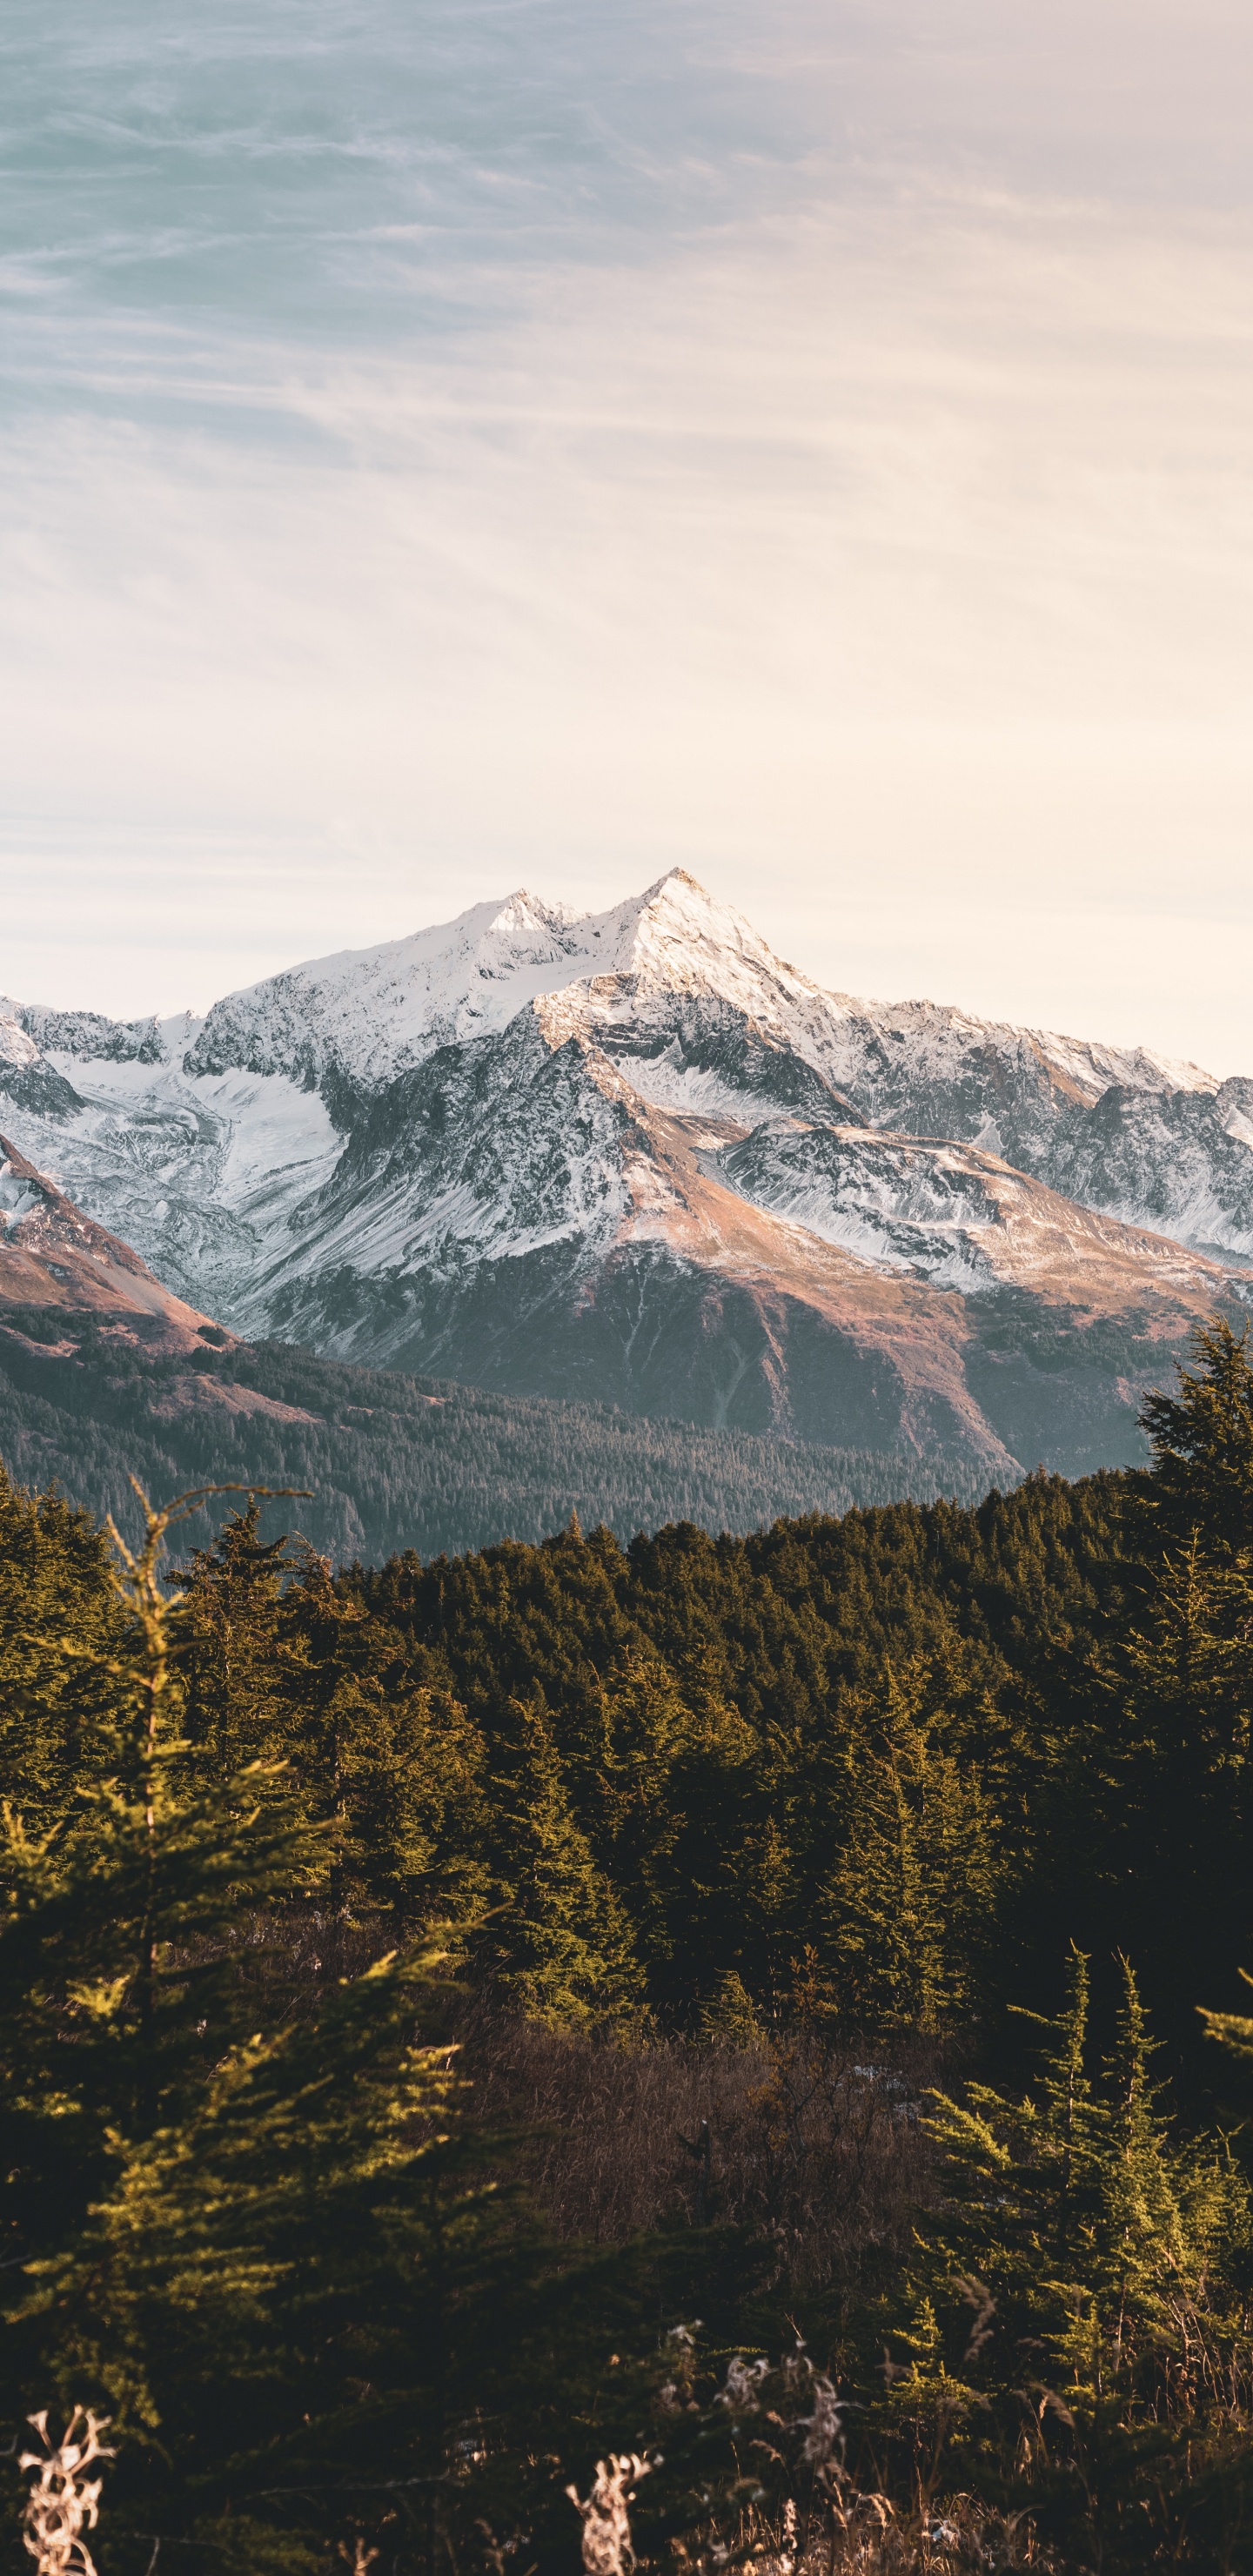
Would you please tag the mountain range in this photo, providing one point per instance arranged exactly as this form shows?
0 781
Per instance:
105 1377
635 1159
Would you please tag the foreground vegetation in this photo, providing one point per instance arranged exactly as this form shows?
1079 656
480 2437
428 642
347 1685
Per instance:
727 2007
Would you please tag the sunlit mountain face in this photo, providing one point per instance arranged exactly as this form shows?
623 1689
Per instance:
635 1157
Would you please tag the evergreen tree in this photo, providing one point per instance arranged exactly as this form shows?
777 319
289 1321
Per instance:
300 2300
1173 1795
910 1900
121 1974
228 1642
762 1886
59 1622
563 1940
1080 2268
391 1766
245 2215
1202 1441
661 1783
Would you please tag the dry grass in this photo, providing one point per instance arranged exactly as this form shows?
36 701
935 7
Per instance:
797 2137
865 2535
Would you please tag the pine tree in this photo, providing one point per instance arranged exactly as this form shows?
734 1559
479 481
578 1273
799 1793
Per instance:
689 1853
910 1900
245 2215
1143 2240
59 1623
392 1766
563 1940
228 1641
1202 1441
295 2300
1097 2241
1176 1749
762 1886
121 1973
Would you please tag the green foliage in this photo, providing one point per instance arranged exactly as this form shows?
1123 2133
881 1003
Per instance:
393 1461
1078 2289
837 1795
717 1710
566 1950
59 1619
912 1897
934 1743
243 2212
229 1641
117 1989
282 1663
1202 1443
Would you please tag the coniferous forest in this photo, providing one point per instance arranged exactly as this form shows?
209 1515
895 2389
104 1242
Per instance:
387 1461
762 2014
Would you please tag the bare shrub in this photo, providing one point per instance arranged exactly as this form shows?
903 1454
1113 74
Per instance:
799 2136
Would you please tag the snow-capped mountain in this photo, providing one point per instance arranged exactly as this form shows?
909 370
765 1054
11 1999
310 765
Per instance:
635 1155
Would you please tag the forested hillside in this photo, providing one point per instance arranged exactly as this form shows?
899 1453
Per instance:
390 1461
825 1917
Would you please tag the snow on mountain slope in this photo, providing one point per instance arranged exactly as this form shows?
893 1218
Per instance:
56 1261
487 1152
634 1154
1180 1160
677 988
200 1173
515 1212
951 1214
355 1021
363 1017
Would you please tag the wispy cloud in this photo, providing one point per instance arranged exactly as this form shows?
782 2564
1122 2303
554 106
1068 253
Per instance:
813 444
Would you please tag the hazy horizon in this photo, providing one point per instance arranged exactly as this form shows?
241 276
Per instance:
507 445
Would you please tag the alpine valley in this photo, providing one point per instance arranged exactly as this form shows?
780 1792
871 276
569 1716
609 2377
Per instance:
634 1160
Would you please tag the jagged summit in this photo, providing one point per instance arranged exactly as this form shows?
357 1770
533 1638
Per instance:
363 1016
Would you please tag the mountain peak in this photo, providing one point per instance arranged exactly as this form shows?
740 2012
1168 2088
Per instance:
365 1015
678 938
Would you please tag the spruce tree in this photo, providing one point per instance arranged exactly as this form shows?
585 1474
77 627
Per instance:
245 2214
1202 1440
228 1639
1176 1755
122 1973
909 1903
563 1942
302 2302
1076 2263
59 1624
392 1766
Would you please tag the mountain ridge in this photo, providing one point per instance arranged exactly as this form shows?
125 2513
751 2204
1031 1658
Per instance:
634 1154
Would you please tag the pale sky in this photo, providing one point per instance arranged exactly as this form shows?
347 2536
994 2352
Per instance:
456 444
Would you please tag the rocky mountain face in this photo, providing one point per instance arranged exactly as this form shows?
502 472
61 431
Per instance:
57 1265
635 1158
